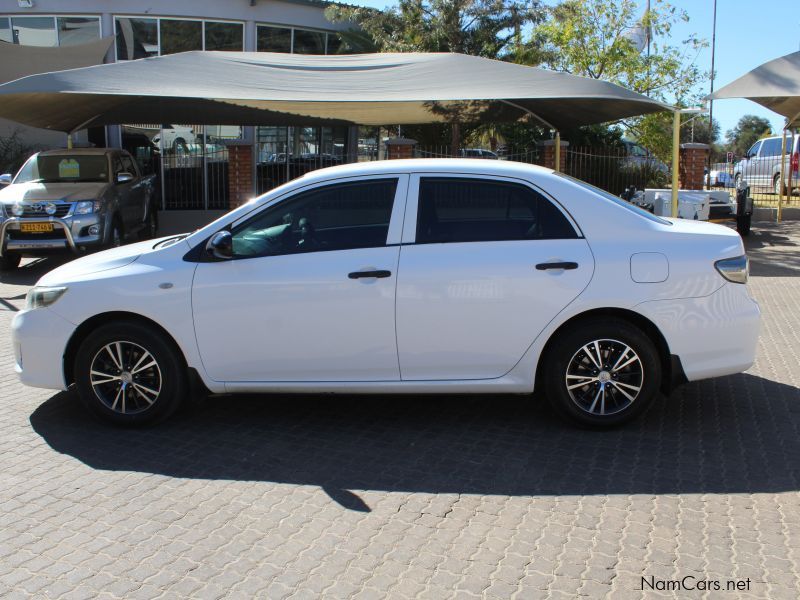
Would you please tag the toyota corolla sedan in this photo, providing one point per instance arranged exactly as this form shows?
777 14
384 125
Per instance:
418 276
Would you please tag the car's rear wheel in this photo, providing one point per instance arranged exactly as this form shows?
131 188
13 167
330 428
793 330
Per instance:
128 374
9 262
601 373
777 187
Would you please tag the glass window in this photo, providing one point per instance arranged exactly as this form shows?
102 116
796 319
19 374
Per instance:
309 42
57 168
181 36
5 31
127 164
34 31
338 45
136 38
77 30
274 39
754 149
616 200
224 36
771 147
335 217
476 210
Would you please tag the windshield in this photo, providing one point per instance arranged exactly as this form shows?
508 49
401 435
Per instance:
64 168
618 201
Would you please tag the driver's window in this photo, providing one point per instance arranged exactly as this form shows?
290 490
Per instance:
754 149
336 217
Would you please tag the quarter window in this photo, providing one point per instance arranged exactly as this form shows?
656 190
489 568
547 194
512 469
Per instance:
754 149
343 216
479 210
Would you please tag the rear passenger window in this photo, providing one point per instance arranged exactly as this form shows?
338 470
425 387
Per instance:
481 210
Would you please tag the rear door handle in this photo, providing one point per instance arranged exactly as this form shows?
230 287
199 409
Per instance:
567 266
375 274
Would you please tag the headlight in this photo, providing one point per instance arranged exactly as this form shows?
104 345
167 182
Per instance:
17 209
41 296
734 269
86 207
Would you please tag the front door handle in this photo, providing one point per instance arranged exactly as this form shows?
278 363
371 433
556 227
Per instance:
375 274
567 266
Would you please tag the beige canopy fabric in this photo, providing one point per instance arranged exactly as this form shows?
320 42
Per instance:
775 85
248 88
18 61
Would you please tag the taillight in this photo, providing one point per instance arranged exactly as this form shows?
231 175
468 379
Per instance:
794 164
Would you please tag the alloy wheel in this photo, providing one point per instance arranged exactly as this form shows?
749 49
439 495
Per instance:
125 377
604 377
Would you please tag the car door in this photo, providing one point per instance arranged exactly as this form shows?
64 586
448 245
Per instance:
486 264
750 170
309 294
138 191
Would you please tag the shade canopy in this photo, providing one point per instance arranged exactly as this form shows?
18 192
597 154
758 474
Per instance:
775 85
17 60
248 88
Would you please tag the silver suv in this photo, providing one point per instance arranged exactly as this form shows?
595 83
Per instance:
760 166
74 200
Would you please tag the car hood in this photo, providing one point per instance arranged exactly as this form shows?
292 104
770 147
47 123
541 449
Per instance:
50 192
97 262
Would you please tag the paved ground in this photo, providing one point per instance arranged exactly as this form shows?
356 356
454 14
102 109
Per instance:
423 497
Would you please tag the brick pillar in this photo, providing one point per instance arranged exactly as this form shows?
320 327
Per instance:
240 174
691 170
400 148
547 154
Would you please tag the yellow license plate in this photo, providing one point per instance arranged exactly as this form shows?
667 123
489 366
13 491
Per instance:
36 227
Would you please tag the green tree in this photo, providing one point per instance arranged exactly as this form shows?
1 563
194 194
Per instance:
490 28
746 132
603 39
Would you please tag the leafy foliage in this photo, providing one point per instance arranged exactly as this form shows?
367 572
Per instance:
487 28
13 152
747 131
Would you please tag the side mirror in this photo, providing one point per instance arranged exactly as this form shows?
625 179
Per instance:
220 246
124 177
5 178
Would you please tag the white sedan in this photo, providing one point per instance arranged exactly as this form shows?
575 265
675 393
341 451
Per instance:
417 276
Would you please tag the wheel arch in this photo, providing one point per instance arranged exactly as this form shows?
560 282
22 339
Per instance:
84 329
670 364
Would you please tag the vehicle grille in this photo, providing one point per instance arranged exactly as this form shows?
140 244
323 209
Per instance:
56 234
62 208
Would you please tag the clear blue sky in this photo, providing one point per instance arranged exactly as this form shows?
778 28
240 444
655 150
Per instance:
749 33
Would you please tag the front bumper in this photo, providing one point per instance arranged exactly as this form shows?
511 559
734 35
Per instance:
39 338
73 230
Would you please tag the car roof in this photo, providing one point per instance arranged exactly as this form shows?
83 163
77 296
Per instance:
466 166
79 151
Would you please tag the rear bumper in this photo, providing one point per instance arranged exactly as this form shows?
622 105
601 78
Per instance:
39 338
712 336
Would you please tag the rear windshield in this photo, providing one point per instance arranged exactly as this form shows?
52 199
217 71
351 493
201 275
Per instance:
64 168
616 200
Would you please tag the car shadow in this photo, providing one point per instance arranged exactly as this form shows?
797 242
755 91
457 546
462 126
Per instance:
31 270
738 434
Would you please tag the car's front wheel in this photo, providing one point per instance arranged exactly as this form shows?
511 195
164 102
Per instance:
128 374
9 262
601 373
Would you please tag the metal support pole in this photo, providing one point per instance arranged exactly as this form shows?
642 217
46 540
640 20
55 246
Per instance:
781 174
69 141
676 157
558 151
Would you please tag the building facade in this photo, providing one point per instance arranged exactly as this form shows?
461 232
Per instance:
193 161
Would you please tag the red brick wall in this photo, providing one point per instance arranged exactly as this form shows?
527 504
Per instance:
692 165
240 175
547 155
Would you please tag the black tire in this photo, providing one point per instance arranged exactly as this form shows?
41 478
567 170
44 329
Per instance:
9 262
777 186
737 180
132 404
743 224
116 237
591 405
150 228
